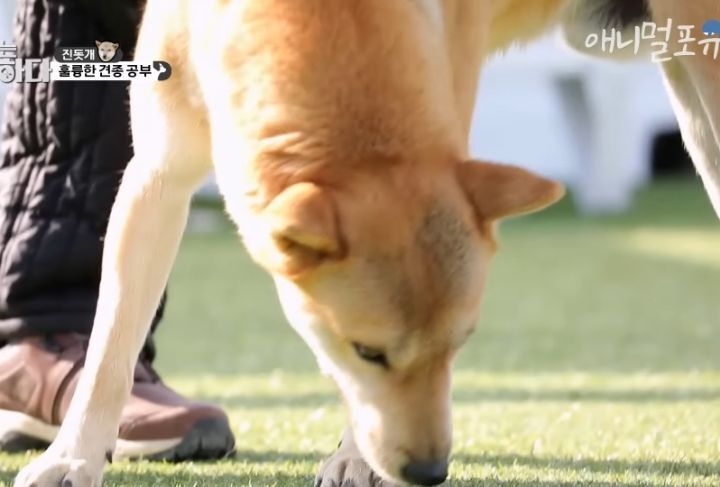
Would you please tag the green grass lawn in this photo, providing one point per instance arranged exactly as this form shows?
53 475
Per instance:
596 361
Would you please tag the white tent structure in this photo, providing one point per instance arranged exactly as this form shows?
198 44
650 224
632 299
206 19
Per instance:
587 122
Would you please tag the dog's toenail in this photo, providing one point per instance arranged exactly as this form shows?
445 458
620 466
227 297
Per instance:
108 456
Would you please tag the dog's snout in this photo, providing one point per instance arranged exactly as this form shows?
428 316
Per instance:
432 472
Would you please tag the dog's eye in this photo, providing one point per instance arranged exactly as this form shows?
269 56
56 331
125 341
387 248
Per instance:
372 355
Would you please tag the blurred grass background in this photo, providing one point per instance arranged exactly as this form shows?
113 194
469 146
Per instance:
596 361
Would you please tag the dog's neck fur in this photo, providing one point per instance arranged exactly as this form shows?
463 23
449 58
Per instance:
383 98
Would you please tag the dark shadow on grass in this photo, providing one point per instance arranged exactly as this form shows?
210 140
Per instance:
467 395
705 469
179 476
284 480
624 395
192 480
657 468
262 457
490 482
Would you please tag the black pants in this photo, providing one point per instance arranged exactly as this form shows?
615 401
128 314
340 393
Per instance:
64 148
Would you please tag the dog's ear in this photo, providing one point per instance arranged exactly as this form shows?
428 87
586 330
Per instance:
498 191
116 45
98 43
304 229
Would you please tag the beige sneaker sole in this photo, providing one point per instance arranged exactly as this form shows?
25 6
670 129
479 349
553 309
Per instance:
20 432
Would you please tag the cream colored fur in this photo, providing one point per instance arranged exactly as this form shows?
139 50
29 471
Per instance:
338 132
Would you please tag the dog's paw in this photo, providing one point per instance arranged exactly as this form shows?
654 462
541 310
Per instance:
52 469
348 472
347 468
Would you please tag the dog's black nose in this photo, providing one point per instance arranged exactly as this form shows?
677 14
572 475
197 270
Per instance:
426 472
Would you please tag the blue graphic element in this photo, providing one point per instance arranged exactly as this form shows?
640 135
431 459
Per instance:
712 28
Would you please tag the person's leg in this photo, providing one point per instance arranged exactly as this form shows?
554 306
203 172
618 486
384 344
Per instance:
64 149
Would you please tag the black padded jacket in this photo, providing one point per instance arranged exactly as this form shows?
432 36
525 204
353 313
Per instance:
64 147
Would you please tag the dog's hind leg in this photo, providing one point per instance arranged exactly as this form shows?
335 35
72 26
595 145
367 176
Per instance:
145 227
694 86
693 82
697 107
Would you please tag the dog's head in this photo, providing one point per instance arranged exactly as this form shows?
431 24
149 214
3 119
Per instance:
382 275
107 50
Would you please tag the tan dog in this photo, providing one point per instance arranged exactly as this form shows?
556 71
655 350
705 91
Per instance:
338 132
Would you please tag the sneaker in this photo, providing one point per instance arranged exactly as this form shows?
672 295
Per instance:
38 377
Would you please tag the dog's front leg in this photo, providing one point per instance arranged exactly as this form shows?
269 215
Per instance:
694 86
144 231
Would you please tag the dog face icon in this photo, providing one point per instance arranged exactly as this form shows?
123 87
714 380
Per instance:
7 74
107 50
711 27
